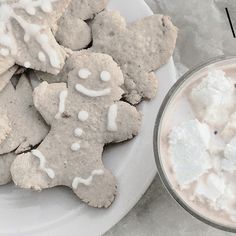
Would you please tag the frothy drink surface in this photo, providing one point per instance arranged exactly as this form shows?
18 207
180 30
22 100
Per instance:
198 143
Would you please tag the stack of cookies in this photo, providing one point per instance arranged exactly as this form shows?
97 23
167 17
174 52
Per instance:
91 69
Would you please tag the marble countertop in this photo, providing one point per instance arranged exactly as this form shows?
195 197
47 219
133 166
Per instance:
204 32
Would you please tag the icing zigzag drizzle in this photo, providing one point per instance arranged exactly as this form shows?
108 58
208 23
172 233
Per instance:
88 181
42 159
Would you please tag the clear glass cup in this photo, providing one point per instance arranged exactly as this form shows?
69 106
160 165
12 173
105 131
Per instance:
216 63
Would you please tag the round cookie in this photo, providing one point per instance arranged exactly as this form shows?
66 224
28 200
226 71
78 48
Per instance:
86 116
72 31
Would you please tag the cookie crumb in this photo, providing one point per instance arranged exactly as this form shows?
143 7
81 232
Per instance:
65 115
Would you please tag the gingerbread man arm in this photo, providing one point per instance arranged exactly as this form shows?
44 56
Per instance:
47 99
139 84
123 122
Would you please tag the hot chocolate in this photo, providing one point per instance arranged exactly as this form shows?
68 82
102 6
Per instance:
197 143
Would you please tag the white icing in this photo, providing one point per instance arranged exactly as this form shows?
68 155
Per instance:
92 93
30 6
4 52
84 73
42 159
105 76
78 132
34 31
188 144
52 54
62 97
112 115
75 147
83 115
27 64
88 181
213 98
41 56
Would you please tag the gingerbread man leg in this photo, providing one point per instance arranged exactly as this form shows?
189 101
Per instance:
100 192
31 170
93 183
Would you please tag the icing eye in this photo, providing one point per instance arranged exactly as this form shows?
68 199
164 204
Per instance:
84 73
105 76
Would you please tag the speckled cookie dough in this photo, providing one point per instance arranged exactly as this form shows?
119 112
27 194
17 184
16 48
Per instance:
5 165
72 30
6 77
25 126
138 48
86 9
5 126
83 117
73 33
25 35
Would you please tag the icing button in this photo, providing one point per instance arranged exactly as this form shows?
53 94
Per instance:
83 115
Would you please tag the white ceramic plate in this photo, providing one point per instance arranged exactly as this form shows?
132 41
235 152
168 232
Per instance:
58 211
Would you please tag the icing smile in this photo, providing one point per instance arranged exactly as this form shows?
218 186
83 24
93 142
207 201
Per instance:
92 93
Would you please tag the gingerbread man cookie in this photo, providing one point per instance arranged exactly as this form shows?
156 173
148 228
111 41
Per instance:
139 48
25 34
83 117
